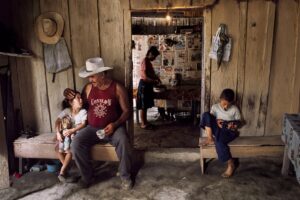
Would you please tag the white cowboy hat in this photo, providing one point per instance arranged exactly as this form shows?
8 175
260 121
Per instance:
49 27
93 66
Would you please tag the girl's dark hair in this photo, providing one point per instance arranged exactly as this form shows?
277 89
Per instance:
153 50
67 103
228 95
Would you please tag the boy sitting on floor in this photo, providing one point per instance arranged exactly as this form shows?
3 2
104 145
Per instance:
221 127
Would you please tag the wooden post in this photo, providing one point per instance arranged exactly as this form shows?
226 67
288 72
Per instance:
206 66
285 162
4 173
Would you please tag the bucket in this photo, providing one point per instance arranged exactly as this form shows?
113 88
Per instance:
53 166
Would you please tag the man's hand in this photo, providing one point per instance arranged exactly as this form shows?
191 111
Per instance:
220 122
68 132
69 94
109 129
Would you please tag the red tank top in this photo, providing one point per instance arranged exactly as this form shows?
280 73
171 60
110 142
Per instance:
104 106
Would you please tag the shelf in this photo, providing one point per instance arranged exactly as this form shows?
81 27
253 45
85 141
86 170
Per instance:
24 55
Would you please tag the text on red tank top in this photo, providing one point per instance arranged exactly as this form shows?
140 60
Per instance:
103 106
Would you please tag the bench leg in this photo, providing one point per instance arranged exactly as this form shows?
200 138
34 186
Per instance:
20 166
137 115
202 161
285 162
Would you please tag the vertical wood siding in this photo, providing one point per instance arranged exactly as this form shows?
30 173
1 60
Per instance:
263 69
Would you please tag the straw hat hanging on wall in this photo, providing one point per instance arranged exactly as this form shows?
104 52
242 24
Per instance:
49 27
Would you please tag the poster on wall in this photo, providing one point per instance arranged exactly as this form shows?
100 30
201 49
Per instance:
179 42
137 58
135 78
180 54
191 72
165 75
165 42
157 61
194 55
157 70
168 58
179 69
180 58
140 43
153 40
193 41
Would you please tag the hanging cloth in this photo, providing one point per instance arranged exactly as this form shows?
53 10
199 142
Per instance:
221 45
57 57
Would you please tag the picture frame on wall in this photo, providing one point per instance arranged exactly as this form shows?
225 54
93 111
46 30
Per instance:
194 55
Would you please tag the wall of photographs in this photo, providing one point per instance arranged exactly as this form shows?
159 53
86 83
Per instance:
180 53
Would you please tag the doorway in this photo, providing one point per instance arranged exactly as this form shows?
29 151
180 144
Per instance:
178 35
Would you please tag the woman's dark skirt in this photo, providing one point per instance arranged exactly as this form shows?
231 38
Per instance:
145 95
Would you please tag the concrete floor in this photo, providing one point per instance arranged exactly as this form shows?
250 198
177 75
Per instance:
162 173
167 133
166 179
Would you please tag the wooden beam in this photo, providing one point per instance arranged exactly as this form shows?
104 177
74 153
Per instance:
295 105
260 28
63 79
206 66
3 60
285 66
30 71
243 7
112 36
174 4
128 67
225 76
4 172
84 28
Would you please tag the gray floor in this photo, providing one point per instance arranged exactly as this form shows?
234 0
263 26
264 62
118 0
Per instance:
163 180
166 174
167 133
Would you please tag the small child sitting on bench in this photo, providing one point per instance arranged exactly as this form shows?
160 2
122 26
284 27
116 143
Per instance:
74 113
221 125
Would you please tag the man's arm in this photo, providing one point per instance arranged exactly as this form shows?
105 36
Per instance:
85 94
122 97
73 130
124 103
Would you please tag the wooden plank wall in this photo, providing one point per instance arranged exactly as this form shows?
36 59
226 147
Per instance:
36 96
263 69
284 92
260 24
4 173
4 162
257 65
29 79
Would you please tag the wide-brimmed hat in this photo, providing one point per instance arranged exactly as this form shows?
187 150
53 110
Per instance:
93 66
49 27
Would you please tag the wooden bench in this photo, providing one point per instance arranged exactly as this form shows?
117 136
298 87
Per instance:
245 147
43 146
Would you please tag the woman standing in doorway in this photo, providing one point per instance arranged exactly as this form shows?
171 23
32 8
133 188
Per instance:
145 94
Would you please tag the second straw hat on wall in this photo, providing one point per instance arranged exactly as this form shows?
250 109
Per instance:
49 27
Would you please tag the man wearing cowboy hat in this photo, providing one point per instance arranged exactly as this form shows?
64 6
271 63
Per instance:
108 109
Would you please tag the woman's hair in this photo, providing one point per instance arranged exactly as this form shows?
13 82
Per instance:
67 103
153 50
228 95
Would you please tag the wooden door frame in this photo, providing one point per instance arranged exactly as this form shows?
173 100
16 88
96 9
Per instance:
206 62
